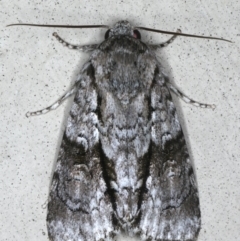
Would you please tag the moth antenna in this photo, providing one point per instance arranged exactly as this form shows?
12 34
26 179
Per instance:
57 26
182 34
105 26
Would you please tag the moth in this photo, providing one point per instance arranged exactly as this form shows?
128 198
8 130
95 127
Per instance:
123 165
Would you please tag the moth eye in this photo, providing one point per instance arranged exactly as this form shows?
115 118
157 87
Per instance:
136 34
107 34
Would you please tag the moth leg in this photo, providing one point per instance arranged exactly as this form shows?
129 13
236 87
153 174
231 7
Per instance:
85 48
55 104
189 100
165 44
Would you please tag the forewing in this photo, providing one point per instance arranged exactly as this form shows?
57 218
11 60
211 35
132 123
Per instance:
170 207
79 207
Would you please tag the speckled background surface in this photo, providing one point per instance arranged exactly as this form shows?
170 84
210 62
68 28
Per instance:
35 70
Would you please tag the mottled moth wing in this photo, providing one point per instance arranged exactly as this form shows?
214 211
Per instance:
79 207
123 163
170 207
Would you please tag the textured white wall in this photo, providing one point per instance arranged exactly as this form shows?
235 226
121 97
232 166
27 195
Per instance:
36 70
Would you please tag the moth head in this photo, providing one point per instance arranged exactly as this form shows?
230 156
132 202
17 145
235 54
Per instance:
123 28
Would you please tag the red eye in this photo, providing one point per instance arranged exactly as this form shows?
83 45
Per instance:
136 34
107 34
